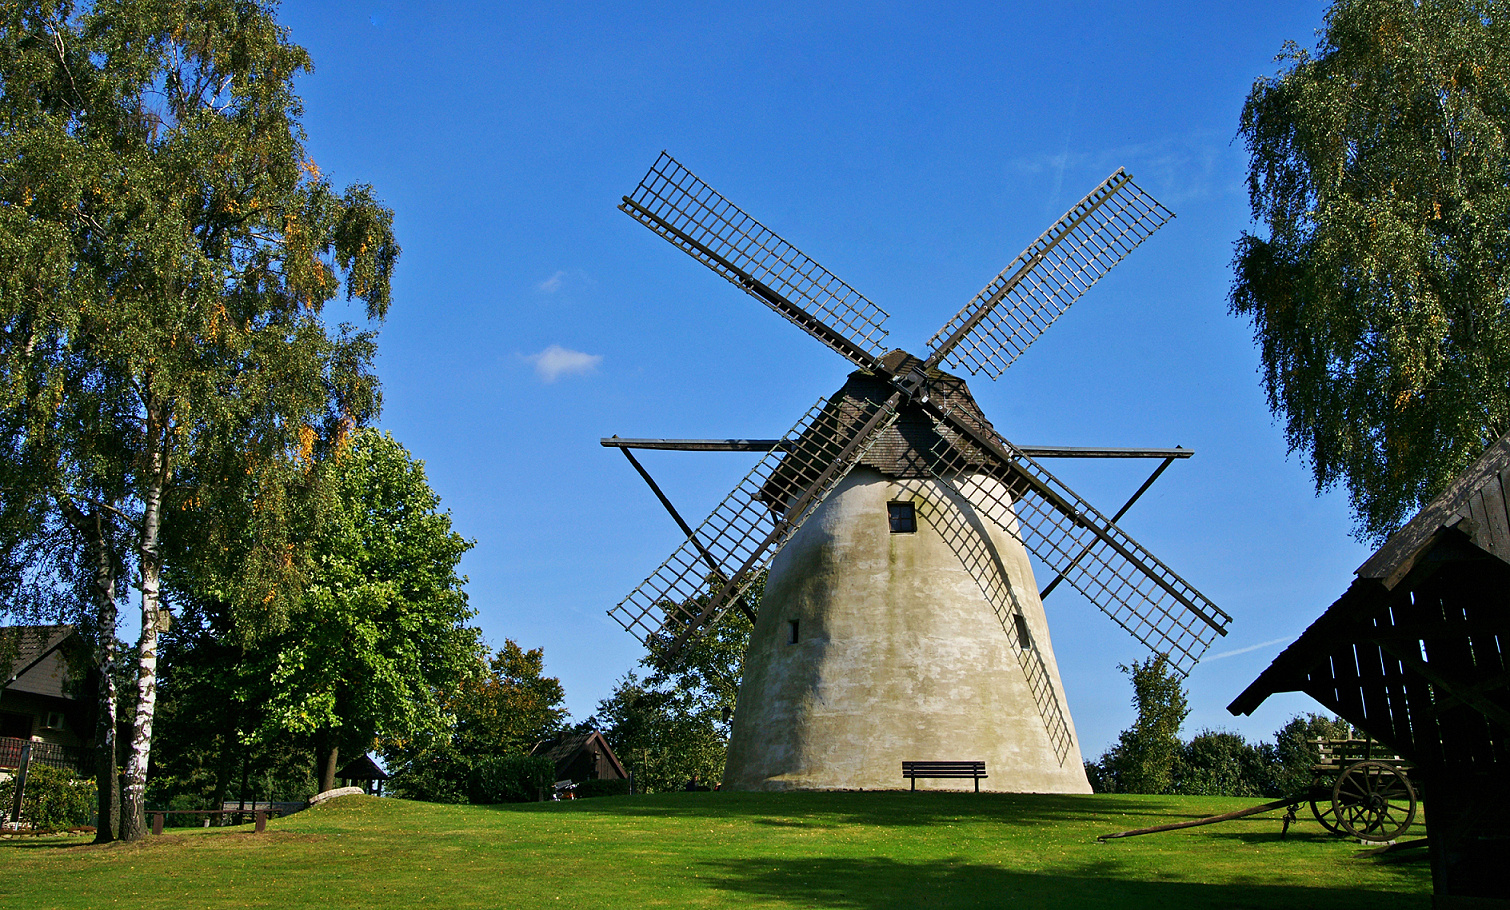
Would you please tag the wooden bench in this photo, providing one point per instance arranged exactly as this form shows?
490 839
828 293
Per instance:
260 816
953 769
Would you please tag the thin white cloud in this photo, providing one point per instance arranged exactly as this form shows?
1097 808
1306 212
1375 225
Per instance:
1176 169
555 361
552 284
1262 644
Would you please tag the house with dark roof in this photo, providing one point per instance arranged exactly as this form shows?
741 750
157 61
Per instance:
1415 654
581 756
46 685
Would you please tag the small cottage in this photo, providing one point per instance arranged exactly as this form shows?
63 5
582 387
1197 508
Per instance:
581 756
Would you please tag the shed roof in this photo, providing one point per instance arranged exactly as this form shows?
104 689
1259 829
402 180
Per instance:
1412 651
565 748
1475 502
362 768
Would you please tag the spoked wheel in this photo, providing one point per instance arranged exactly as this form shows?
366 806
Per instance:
1322 807
1373 801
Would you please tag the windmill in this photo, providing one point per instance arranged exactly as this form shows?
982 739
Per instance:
900 619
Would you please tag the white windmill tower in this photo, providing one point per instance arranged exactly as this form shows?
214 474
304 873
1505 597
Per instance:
900 619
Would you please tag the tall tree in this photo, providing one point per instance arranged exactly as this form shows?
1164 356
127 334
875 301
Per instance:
379 633
1381 172
676 721
1144 757
166 247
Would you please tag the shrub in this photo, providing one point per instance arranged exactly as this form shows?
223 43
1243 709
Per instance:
1219 763
602 788
511 778
53 800
1294 754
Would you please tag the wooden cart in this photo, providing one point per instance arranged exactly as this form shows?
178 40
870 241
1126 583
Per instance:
1359 789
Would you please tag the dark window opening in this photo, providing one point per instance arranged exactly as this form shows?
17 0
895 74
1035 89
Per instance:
792 628
1024 637
903 517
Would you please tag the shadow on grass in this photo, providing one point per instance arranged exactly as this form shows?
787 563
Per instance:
44 842
883 884
892 808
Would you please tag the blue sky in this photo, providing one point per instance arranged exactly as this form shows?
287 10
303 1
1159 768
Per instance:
913 150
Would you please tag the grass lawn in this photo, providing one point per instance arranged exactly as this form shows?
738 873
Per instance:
934 850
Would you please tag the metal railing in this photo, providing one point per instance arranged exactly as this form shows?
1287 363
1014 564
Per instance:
76 759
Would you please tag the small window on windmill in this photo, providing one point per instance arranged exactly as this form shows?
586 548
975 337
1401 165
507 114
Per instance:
903 517
1024 637
791 631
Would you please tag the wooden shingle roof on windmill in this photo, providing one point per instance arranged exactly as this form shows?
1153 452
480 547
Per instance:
903 451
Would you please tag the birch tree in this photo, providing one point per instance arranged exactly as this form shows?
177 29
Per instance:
1378 287
166 248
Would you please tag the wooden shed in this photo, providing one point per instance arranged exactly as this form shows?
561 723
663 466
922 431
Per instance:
1414 654
363 772
581 756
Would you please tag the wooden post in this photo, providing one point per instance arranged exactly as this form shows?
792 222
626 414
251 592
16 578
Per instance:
15 815
1209 820
157 822
261 822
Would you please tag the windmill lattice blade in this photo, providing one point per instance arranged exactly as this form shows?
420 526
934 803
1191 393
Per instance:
674 203
747 529
952 516
1009 314
1129 584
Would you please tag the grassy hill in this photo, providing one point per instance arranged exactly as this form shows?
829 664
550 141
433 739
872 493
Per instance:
847 850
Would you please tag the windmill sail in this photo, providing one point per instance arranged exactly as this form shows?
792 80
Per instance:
958 522
686 594
1099 559
1008 315
674 203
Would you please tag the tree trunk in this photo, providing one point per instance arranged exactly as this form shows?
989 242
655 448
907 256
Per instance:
107 780
94 531
328 773
154 621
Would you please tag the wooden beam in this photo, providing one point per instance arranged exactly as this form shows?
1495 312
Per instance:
766 445
1463 693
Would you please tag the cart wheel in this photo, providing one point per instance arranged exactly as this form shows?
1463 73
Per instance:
1373 801
1322 807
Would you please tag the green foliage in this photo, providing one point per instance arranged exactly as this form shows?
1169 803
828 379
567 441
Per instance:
674 724
166 249
1294 754
500 710
511 706
511 779
1221 763
1143 760
54 800
1379 168
1150 758
427 768
379 632
211 693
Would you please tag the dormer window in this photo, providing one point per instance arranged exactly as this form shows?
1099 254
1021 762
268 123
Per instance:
903 517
